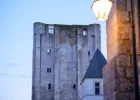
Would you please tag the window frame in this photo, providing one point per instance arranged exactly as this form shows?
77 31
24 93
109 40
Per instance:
51 29
97 87
49 70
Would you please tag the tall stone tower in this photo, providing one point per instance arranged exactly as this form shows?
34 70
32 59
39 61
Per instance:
61 55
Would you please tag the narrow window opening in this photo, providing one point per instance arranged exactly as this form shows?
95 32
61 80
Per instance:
94 42
84 32
89 53
40 27
97 88
49 86
99 38
74 86
99 41
49 70
51 29
49 51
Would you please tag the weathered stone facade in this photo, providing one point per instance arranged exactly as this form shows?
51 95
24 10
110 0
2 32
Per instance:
67 51
118 73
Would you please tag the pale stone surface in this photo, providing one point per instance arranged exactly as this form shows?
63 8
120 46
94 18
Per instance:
89 89
68 61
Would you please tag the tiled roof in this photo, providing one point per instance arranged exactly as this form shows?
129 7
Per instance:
96 65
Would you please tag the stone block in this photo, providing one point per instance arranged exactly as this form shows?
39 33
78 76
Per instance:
129 72
120 72
109 76
123 60
132 96
115 68
125 49
128 5
106 90
124 33
123 84
123 16
118 77
113 50
121 5
109 88
43 96
122 95
110 64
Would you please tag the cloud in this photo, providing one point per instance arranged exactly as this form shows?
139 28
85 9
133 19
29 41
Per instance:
15 75
12 65
16 70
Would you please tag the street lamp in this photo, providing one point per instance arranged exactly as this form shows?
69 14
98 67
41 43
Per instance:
102 8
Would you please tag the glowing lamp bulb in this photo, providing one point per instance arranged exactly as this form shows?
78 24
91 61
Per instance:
101 9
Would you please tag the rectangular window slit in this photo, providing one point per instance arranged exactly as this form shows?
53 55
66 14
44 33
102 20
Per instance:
49 70
49 86
51 29
89 53
49 51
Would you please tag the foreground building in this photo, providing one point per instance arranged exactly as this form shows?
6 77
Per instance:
61 56
119 71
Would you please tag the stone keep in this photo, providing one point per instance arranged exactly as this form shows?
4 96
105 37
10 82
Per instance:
66 50
118 72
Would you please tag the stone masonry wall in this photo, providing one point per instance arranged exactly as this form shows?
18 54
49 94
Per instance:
118 72
69 59
67 63
86 47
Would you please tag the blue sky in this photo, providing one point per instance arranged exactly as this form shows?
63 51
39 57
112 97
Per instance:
16 37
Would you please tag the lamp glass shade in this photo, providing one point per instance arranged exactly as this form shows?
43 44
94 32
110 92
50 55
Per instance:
101 9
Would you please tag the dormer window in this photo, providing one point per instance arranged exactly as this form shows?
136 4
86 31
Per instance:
84 32
51 29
